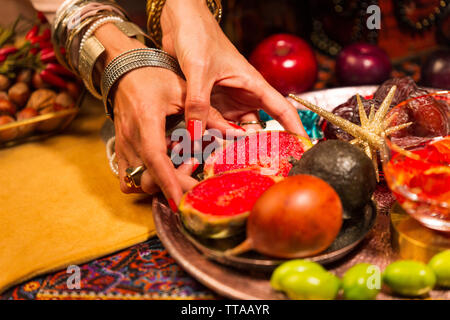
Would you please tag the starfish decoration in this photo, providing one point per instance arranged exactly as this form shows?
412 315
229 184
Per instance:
370 135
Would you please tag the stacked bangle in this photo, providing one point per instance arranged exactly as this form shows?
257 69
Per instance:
91 49
74 22
130 60
97 24
71 19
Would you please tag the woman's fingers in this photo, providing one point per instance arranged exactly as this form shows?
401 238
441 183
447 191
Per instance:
197 104
217 121
153 153
183 174
250 118
280 109
123 165
127 157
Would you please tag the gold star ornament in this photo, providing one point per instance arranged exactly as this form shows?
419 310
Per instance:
374 127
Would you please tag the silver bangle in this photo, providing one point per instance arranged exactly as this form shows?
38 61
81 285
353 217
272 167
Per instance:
130 60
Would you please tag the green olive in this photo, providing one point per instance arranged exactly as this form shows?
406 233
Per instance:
440 264
361 282
297 265
310 285
409 278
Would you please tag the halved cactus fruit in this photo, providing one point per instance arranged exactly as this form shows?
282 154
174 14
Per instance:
218 207
271 151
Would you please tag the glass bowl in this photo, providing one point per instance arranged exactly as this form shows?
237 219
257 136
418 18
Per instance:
418 173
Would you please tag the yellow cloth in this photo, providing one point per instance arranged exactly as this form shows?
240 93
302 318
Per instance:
61 205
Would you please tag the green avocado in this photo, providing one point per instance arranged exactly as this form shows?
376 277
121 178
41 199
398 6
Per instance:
343 166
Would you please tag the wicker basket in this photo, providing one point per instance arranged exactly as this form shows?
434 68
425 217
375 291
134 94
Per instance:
29 129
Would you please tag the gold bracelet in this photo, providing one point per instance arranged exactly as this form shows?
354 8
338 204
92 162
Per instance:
93 49
154 9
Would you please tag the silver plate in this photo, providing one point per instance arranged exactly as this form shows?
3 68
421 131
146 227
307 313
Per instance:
352 233
226 275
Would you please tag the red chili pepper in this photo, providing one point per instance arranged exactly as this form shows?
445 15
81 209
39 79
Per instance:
33 32
48 56
34 51
5 51
53 79
34 39
41 17
46 50
2 58
58 69
45 44
46 34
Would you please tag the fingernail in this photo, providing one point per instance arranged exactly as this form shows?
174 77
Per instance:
172 205
236 126
194 128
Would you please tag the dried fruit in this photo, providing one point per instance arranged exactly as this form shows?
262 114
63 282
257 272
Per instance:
297 217
218 207
4 82
64 100
49 124
37 81
406 88
24 76
26 113
7 134
429 115
41 99
19 93
270 150
7 107
345 167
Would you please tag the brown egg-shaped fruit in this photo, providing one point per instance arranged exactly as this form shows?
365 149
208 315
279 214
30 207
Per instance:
297 217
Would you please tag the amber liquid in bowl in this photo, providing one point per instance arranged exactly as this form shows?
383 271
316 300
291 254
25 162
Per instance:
420 181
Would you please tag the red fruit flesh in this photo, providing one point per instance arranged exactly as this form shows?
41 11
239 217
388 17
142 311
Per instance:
218 207
269 150
229 194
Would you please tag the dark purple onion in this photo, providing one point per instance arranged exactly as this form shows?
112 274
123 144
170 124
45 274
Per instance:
435 71
362 63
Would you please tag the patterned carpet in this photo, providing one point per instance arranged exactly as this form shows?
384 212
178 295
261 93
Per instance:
146 271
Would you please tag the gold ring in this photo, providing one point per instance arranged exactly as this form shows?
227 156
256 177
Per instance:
262 123
133 176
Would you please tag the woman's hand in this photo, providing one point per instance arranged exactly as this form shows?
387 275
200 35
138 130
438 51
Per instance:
142 100
216 73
